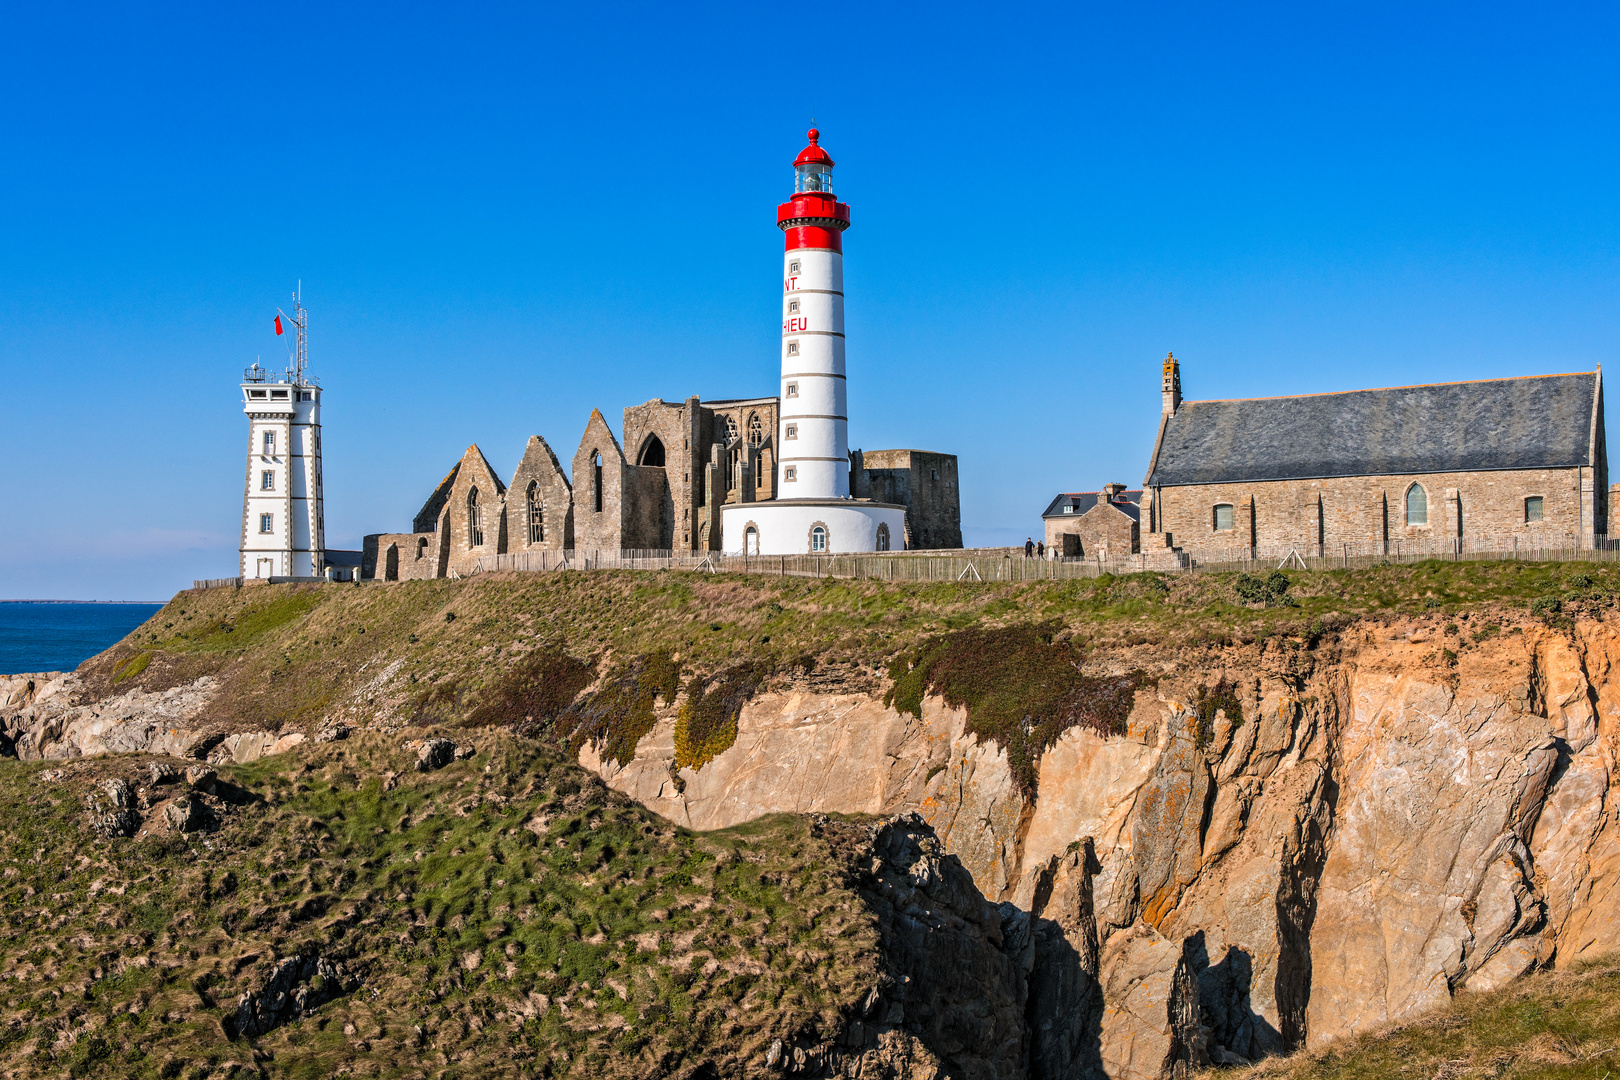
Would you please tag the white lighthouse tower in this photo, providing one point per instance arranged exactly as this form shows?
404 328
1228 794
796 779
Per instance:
283 518
813 512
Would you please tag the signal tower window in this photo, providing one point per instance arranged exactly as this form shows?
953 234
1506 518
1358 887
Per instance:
270 442
267 481
267 523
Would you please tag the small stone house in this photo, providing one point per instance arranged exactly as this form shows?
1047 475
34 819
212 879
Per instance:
1102 524
1493 465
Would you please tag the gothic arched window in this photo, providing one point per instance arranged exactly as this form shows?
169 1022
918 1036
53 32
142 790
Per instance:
475 528
756 430
653 452
1417 505
537 513
596 481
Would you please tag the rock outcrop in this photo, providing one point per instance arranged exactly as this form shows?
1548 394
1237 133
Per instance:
1367 830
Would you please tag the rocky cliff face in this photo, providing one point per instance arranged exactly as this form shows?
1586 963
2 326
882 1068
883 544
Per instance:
1351 837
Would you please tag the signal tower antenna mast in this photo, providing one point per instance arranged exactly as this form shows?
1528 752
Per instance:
300 320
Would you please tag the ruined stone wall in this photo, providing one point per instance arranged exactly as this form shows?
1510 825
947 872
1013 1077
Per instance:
680 430
648 508
1102 531
925 483
540 505
1484 509
465 542
599 496
399 556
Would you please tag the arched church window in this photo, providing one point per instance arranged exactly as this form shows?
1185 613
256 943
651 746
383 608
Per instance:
537 513
731 428
818 539
756 430
883 536
1417 505
475 527
596 481
652 452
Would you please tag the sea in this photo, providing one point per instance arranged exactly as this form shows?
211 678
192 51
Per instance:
41 635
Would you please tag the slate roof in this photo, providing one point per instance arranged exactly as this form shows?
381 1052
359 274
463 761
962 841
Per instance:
1535 422
1085 500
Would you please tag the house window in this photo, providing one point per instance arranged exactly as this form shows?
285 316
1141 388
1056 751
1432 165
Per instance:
475 527
793 307
751 541
267 481
883 537
1417 505
793 389
793 266
793 348
537 514
1532 508
267 523
1223 517
793 431
818 538
790 474
270 442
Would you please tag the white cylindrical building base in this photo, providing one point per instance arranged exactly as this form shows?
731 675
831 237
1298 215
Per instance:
787 527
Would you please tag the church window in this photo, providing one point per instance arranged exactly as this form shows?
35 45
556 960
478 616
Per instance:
756 430
793 431
267 523
793 389
751 541
818 538
652 453
731 428
596 482
1223 517
475 525
883 536
270 442
1532 508
790 474
793 307
793 348
1417 505
537 513
267 480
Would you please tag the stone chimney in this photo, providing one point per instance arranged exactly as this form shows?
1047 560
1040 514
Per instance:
1110 492
1172 384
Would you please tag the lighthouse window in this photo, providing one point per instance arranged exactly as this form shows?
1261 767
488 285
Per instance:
793 431
790 474
793 348
267 523
818 538
793 389
793 307
267 481
793 267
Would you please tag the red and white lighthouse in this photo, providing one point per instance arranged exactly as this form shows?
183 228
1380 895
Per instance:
814 461
813 512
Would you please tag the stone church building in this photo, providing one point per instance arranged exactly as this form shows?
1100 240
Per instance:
661 488
1497 464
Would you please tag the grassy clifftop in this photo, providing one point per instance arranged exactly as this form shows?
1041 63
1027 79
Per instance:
504 916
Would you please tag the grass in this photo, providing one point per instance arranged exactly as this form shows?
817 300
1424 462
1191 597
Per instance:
524 918
1557 1025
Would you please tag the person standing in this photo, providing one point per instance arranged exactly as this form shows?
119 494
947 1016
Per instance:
1029 547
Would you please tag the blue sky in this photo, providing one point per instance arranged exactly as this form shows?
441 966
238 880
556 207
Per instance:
506 217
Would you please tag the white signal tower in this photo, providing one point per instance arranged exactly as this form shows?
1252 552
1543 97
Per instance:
283 516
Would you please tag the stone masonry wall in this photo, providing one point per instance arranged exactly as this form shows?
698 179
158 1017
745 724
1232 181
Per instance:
1284 513
551 494
474 472
415 556
1102 531
925 483
599 529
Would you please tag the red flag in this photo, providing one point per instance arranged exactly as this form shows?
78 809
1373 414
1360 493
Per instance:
278 325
